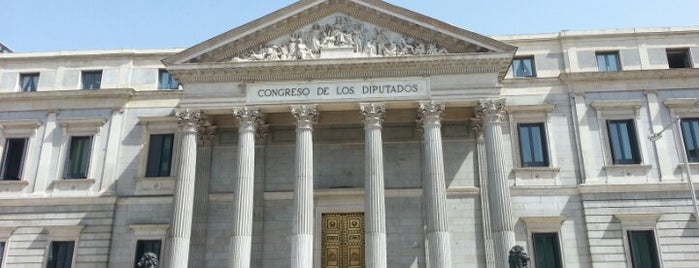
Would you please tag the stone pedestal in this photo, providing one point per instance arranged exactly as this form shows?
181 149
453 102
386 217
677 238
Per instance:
502 223
241 238
438 238
181 222
302 232
374 200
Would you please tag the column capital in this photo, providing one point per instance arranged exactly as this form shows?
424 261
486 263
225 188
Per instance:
372 114
477 126
190 120
430 113
491 110
306 115
206 135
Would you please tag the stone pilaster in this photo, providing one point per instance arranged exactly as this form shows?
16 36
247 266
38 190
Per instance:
241 237
201 197
477 126
302 233
438 238
491 112
183 201
374 200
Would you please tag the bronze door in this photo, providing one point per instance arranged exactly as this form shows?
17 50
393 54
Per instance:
343 240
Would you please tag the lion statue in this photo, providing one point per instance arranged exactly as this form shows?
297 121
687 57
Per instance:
518 258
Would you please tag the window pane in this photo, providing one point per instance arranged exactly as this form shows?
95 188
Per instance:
29 82
547 253
166 80
622 140
92 79
532 143
2 252
690 135
523 67
61 254
159 155
612 62
79 157
13 159
644 253
147 254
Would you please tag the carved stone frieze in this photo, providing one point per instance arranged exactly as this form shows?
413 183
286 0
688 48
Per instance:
342 33
306 115
430 113
491 110
372 113
191 120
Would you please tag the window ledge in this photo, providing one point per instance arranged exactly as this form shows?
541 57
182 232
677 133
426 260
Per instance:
12 185
637 171
66 184
155 185
639 167
531 176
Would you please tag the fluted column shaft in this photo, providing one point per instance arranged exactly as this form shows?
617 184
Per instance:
374 203
302 232
241 237
435 196
502 223
183 203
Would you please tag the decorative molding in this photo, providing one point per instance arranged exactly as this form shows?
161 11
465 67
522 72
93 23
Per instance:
112 98
155 186
589 188
640 220
530 108
596 77
541 176
251 119
71 232
306 115
56 201
149 230
6 232
430 113
678 103
206 135
373 114
13 185
616 104
535 223
72 185
19 128
190 120
82 125
491 110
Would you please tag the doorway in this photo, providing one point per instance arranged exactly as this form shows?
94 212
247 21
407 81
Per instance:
342 242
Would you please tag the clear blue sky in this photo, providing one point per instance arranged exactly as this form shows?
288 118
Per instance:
50 25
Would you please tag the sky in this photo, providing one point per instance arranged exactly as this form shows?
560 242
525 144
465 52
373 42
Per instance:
53 25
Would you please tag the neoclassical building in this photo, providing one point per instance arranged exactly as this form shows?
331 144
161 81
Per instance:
354 133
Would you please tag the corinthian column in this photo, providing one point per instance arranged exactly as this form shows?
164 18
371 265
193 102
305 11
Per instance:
438 241
302 233
374 204
188 123
491 112
241 237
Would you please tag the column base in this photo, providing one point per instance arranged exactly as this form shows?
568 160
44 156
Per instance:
241 247
375 250
503 242
440 249
302 251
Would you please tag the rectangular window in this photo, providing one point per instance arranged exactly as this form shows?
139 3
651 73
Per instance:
159 155
166 80
690 135
532 145
622 140
547 252
644 252
91 79
523 67
13 158
147 253
60 254
78 157
2 253
608 61
678 58
29 82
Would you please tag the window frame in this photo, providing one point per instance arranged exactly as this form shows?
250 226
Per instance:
525 114
169 84
5 234
3 164
26 129
156 185
605 55
544 145
639 222
620 110
522 59
85 73
32 74
63 233
544 224
80 127
682 108
677 50
633 142
695 134
160 251
152 231
149 154
88 151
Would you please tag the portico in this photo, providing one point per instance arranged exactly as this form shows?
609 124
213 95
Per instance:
355 108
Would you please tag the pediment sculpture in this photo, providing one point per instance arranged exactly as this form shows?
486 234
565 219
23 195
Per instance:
341 33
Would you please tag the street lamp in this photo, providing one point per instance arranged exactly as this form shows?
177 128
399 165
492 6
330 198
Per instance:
656 136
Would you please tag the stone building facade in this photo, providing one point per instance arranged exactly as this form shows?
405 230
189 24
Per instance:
354 133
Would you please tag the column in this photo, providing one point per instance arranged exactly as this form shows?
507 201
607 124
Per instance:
502 225
438 241
201 197
302 233
374 203
477 126
181 223
241 238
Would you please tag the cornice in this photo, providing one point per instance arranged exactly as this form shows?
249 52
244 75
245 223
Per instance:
343 68
112 98
629 75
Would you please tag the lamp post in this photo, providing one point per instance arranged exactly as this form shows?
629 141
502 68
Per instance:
656 136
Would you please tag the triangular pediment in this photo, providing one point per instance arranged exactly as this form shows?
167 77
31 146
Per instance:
324 29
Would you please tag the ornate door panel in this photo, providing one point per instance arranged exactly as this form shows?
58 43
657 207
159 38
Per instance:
343 240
